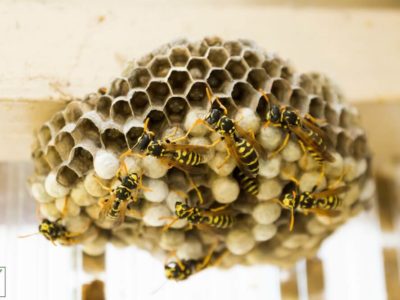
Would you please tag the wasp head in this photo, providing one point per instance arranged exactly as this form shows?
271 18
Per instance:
214 116
289 200
181 209
274 114
49 230
176 271
155 149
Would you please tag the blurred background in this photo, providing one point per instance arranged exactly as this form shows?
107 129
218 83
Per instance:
55 50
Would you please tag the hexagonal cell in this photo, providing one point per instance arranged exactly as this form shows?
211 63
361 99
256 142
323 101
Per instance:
66 176
176 109
252 58
198 68
57 122
73 111
64 142
52 157
343 144
44 135
177 179
205 192
41 166
317 108
219 80
213 41
158 92
237 68
258 78
360 147
86 129
132 135
217 56
179 56
244 95
299 100
113 140
331 115
305 82
121 110
273 67
345 119
160 67
234 48
140 78
145 60
119 87
179 81
287 73
82 160
139 101
103 106
157 120
281 89
332 135
197 95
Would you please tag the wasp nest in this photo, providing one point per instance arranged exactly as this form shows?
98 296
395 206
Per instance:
168 86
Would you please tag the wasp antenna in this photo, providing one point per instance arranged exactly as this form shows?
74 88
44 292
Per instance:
209 94
291 219
27 235
159 288
266 98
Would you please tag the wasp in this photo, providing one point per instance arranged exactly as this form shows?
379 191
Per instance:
56 232
240 144
246 183
325 202
210 217
182 269
181 156
312 138
114 207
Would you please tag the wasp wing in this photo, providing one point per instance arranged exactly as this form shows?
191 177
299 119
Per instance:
251 139
195 148
330 192
323 212
230 143
310 124
311 142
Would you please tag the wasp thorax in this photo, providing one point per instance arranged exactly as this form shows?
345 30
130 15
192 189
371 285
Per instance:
291 117
155 149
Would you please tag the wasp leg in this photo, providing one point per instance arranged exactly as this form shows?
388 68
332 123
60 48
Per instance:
199 195
173 221
166 138
291 219
102 185
210 96
196 123
220 208
65 207
228 155
282 146
207 259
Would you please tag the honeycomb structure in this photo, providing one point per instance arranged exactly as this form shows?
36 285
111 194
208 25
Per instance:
168 86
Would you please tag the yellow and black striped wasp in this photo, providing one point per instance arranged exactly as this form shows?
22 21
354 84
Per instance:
246 183
212 217
55 232
185 157
114 207
311 137
325 202
240 144
182 269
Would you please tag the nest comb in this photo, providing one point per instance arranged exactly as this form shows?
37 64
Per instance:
168 86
